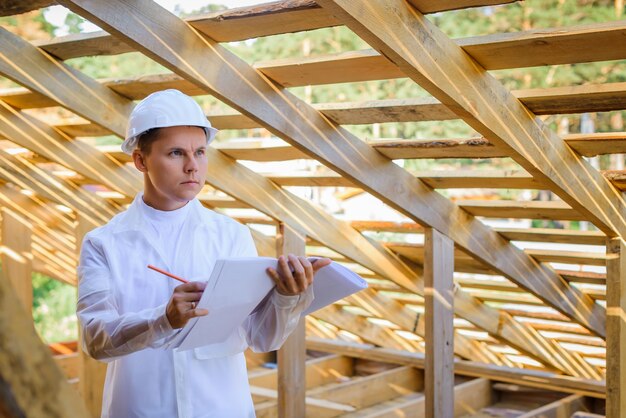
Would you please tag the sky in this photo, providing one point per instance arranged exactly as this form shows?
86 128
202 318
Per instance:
56 14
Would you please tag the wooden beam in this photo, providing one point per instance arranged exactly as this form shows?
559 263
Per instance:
17 257
557 210
292 355
16 7
364 391
31 177
439 302
315 134
616 328
31 384
28 63
449 74
319 371
469 396
30 133
363 328
228 26
562 408
524 377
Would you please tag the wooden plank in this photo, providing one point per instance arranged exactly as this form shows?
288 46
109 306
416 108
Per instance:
17 265
548 46
532 145
360 326
229 25
554 210
432 6
440 179
319 371
562 408
524 377
292 355
322 407
30 133
346 153
616 328
16 7
381 306
365 391
31 384
92 372
29 176
28 63
562 236
597 144
470 397
439 303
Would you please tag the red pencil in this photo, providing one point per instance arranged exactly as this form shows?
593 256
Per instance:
180 279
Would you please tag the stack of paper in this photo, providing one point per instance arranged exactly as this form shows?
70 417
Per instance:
238 285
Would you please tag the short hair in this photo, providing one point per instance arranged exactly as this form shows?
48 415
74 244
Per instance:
146 139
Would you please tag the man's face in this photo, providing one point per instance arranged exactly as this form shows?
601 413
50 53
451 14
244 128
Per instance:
175 168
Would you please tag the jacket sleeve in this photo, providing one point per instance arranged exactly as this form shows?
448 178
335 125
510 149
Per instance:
270 324
105 333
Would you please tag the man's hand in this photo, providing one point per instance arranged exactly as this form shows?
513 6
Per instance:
295 274
182 305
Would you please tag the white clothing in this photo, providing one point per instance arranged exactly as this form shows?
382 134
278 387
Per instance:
121 309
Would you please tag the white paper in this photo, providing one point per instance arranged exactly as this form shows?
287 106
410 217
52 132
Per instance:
238 285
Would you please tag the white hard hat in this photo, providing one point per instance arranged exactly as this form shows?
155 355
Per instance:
162 109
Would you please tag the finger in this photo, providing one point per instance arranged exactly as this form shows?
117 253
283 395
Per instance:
276 279
283 267
286 277
193 313
191 287
189 296
299 273
308 269
320 262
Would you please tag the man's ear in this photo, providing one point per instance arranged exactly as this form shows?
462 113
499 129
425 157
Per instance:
139 161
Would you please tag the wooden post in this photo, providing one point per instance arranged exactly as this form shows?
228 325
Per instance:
31 384
615 327
91 372
292 355
439 303
17 257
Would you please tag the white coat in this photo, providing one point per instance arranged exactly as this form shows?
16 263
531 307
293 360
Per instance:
121 310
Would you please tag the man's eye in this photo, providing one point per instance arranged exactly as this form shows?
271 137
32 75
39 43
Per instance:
200 152
176 153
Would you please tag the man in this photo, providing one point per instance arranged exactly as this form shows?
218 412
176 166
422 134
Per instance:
129 313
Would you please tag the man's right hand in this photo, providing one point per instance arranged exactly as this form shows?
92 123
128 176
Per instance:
182 305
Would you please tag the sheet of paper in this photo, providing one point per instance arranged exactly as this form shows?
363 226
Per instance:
234 289
332 283
238 285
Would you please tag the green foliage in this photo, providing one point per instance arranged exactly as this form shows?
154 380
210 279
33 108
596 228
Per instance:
74 22
54 309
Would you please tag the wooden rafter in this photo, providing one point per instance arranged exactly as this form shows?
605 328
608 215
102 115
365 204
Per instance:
444 70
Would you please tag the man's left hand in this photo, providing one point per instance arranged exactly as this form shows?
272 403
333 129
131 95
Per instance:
295 273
